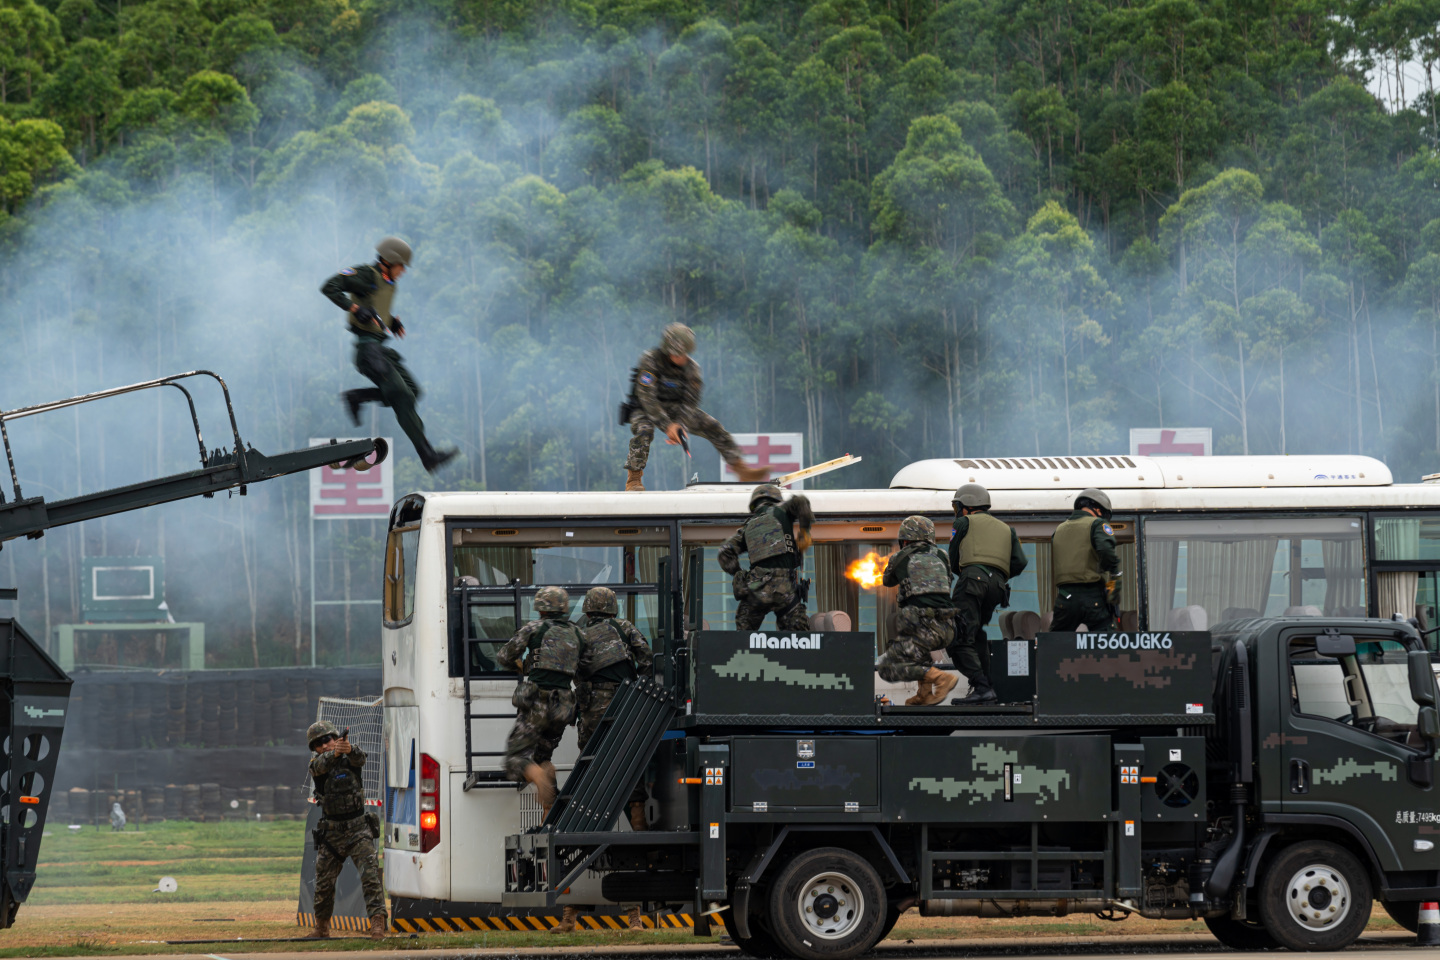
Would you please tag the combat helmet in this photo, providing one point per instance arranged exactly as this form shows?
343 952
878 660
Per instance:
393 250
319 731
766 491
552 600
678 339
972 495
1096 498
600 600
917 528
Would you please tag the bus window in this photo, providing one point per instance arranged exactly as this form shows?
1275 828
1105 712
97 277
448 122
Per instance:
1407 550
399 592
1200 573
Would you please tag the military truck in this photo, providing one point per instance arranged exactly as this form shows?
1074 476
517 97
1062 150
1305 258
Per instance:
1271 777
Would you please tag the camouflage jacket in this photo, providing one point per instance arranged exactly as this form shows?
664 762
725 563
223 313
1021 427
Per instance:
553 642
784 556
609 640
361 284
911 594
339 786
660 385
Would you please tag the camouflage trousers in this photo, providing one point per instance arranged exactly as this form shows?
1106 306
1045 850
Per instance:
918 630
593 700
696 422
343 840
759 591
540 722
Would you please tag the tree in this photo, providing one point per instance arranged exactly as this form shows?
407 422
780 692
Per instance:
83 91
32 152
30 42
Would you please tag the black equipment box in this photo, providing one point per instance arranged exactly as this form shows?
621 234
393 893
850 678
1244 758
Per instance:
1123 673
1012 670
765 673
790 773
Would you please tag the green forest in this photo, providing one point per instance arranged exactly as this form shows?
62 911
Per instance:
907 228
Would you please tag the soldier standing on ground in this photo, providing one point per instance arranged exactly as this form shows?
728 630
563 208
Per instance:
665 395
985 554
552 647
366 292
1083 548
776 554
345 831
615 651
925 619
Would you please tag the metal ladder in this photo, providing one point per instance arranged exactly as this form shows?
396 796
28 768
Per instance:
481 778
614 759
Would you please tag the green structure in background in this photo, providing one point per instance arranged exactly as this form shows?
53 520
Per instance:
127 621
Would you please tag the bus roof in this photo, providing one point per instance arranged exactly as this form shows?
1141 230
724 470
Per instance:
1153 473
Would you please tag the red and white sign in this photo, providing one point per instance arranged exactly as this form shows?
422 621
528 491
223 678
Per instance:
351 494
781 452
1170 442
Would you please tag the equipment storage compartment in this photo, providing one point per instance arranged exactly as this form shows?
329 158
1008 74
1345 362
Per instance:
807 773
1131 674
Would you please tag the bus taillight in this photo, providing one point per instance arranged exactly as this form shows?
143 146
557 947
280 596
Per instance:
429 803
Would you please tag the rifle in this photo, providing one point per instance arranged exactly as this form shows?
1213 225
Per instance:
685 441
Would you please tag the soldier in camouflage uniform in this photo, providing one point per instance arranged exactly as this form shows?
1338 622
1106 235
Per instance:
926 614
345 831
552 647
1082 550
665 392
365 292
776 552
615 651
985 554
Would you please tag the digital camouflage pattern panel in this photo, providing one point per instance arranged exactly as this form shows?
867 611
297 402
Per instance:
784 674
1079 674
1349 768
787 773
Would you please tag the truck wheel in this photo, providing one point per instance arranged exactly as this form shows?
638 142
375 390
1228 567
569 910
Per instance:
892 917
1404 912
1244 935
1316 896
759 944
827 904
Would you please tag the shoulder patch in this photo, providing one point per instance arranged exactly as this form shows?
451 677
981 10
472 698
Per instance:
348 272
1106 528
647 379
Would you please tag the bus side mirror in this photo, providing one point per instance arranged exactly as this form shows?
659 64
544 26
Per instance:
1422 677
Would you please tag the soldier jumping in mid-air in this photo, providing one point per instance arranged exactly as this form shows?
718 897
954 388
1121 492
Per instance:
776 552
366 292
552 646
665 395
925 618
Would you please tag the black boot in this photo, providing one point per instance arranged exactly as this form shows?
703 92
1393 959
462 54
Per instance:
976 697
438 459
353 401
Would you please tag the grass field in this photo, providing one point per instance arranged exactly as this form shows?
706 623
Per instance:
240 880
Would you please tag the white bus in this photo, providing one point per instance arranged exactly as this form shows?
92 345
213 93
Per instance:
1202 541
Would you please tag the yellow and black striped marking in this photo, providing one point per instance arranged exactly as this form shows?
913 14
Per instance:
360 924
604 921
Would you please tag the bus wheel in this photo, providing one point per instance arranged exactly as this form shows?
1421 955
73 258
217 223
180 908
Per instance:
1244 935
1315 896
827 904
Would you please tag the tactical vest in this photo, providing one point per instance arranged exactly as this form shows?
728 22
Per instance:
766 535
341 792
670 381
986 541
604 645
1074 557
927 572
555 646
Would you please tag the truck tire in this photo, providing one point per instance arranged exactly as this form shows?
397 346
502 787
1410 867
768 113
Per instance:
827 904
1315 896
1404 912
759 944
1246 935
892 917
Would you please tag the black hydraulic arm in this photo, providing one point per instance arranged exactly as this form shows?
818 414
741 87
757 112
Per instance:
220 469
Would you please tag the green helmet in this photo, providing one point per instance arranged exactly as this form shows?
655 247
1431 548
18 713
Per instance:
319 731
552 600
393 250
678 339
972 495
1095 497
917 528
766 491
600 600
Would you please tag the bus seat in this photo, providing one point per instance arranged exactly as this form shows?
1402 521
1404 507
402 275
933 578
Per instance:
1025 624
1192 617
1045 621
1006 619
1302 612
1238 613
837 620
1129 620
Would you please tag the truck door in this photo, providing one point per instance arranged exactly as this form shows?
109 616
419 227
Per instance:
1348 739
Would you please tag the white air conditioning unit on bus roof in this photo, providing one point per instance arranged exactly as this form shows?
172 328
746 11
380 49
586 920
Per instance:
1132 473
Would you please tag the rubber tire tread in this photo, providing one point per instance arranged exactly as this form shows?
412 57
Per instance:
760 944
785 889
1404 912
1241 935
892 917
1275 914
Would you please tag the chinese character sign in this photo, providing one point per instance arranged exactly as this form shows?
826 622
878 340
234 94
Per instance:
781 452
351 494
1170 442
